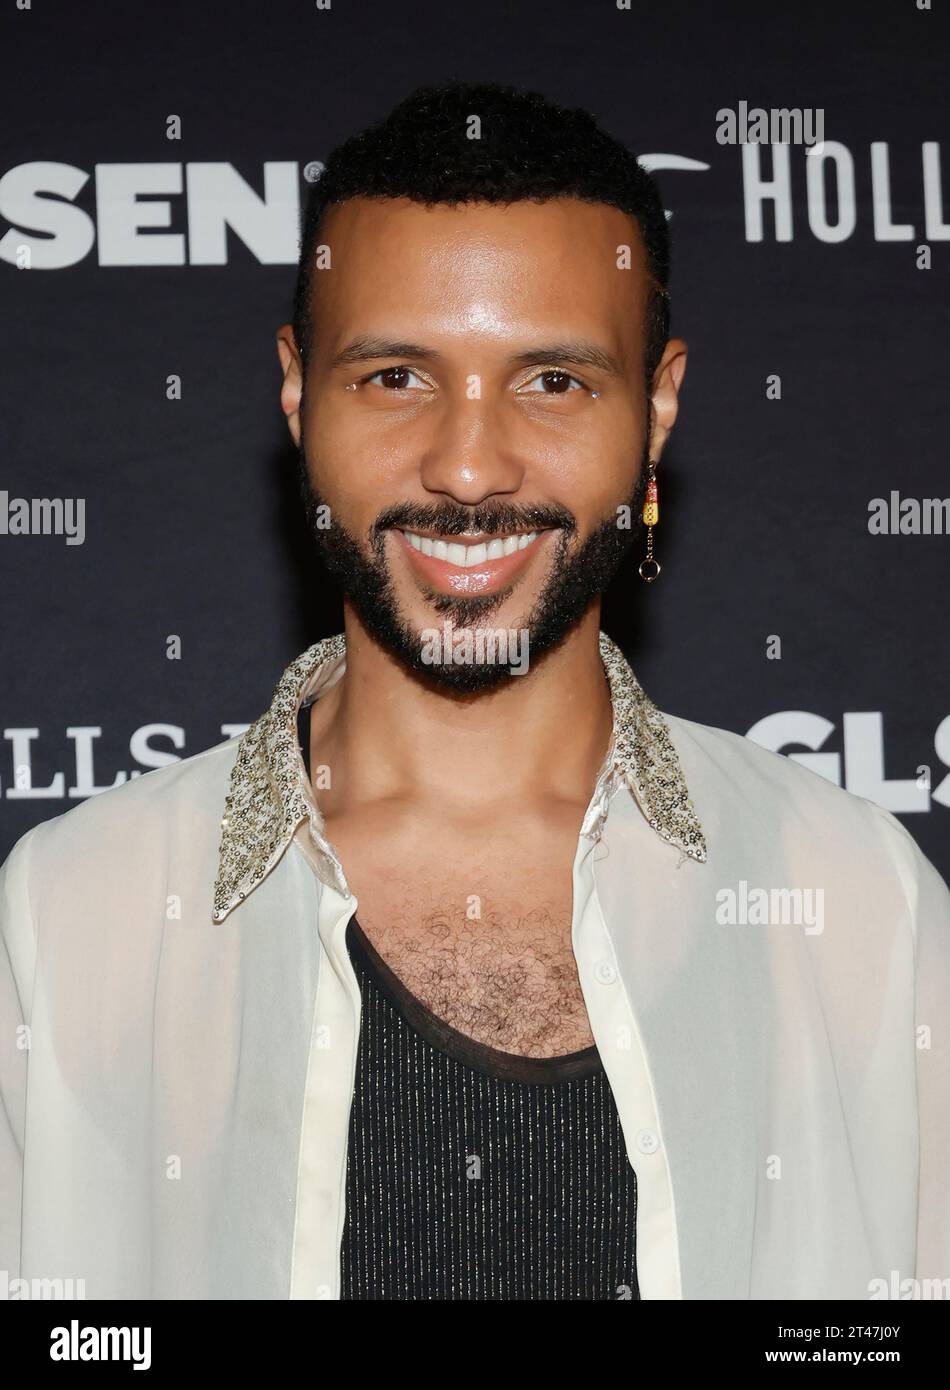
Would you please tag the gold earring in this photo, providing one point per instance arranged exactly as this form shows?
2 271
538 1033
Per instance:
649 566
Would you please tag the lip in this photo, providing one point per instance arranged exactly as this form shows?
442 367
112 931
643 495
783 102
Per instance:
485 578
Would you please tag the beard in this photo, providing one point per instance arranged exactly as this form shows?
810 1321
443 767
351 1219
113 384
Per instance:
574 581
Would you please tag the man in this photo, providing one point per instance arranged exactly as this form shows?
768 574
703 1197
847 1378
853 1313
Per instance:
466 973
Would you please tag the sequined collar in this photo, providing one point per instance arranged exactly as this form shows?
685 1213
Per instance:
267 802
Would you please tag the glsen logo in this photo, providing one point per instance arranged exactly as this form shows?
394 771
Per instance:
862 759
134 202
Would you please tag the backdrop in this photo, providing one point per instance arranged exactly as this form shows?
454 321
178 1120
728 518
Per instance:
152 161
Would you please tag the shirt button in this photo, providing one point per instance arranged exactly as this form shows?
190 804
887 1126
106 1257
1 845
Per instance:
647 1141
605 972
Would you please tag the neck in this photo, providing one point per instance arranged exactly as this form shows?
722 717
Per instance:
384 733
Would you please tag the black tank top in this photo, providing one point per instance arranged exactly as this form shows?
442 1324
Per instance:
472 1173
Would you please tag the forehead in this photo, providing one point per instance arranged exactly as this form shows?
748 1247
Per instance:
521 268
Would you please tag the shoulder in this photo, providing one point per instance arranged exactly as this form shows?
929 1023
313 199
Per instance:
142 822
734 782
718 763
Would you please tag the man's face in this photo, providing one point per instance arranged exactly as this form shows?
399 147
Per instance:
474 415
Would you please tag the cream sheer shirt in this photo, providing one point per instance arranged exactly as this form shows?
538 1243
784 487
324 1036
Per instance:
765 960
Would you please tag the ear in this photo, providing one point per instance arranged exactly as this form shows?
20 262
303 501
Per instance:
292 386
664 398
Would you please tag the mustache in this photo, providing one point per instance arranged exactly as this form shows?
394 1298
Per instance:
451 518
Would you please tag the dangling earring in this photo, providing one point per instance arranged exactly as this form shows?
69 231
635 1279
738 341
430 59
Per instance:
649 567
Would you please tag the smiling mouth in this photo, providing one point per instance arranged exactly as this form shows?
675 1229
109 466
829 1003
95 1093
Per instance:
469 550
473 563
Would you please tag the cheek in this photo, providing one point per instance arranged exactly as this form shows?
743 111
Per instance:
357 451
356 482
341 470
621 446
598 472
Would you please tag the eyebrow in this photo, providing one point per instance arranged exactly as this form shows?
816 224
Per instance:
369 349
579 352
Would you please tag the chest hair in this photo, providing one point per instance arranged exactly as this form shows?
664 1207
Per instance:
506 977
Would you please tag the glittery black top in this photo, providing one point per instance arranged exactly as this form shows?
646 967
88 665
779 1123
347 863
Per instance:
474 1173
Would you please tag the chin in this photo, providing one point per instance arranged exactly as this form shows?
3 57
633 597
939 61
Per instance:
460 651
468 678
455 652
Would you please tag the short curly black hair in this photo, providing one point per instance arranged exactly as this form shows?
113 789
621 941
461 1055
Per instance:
528 148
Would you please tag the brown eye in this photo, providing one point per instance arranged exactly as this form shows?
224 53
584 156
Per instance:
556 382
396 379
551 382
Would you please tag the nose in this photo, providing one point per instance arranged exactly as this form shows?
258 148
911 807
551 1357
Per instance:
470 454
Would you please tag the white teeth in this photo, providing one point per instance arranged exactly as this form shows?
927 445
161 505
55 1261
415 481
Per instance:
465 556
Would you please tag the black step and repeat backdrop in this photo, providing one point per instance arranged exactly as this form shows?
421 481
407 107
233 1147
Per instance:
152 162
